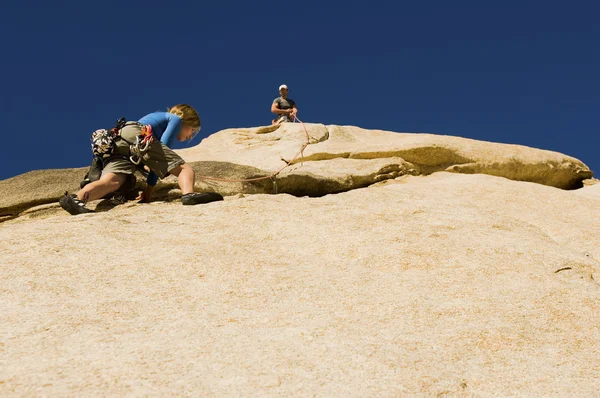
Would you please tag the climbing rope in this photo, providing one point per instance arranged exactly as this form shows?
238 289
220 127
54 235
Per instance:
273 176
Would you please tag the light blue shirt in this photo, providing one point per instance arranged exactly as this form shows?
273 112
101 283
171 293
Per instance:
165 127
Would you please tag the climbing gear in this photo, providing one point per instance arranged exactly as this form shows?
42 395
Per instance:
103 143
198 198
73 205
103 140
272 177
139 149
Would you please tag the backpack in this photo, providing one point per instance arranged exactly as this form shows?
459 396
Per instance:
103 144
103 141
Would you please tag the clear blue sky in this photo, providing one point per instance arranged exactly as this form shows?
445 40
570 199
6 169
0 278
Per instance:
523 72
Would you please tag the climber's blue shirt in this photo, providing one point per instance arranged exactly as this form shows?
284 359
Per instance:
165 127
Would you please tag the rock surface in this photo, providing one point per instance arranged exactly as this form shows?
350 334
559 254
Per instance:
440 278
340 158
420 285
336 159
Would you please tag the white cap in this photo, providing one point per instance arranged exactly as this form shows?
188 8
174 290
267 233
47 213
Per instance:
282 87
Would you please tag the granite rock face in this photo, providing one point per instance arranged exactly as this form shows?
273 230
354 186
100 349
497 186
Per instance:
440 284
335 159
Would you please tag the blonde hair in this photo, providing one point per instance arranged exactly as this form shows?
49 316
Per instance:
187 114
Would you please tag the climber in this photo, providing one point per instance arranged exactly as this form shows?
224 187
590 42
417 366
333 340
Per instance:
284 107
146 142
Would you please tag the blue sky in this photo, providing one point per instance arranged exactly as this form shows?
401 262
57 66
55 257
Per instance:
523 72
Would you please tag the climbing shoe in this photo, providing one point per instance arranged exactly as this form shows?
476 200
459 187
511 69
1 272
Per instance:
197 198
73 205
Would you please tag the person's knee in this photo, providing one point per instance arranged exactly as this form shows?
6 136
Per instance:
182 170
187 169
113 181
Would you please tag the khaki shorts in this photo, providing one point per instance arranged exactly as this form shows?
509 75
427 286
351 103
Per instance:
162 159
284 119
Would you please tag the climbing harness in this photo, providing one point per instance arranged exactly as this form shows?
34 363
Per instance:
104 142
139 149
104 147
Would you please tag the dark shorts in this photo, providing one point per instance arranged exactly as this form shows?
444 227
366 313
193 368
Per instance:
162 158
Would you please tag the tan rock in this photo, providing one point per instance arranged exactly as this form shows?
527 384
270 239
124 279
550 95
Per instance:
335 159
447 284
267 149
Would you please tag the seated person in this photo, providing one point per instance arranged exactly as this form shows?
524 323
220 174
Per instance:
284 107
